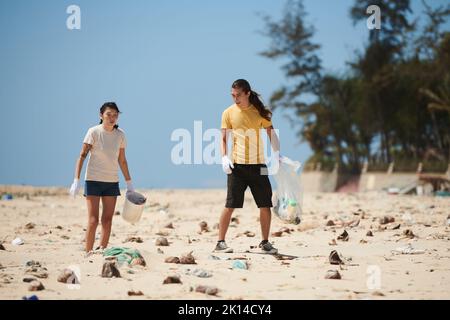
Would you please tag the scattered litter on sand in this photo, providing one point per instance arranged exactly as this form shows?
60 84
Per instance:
110 269
201 273
161 241
344 236
240 264
36 286
207 290
408 249
17 242
68 276
187 259
334 258
333 274
172 260
172 279
133 239
386 219
135 293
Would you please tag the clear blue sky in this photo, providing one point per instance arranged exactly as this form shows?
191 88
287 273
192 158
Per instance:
165 63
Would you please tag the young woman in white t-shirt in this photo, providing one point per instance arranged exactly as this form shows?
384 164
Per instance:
106 144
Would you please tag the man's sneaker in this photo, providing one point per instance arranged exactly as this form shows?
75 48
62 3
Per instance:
266 247
221 246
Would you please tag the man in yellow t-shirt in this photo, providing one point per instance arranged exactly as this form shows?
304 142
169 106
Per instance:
244 120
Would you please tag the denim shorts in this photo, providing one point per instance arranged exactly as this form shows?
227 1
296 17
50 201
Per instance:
100 189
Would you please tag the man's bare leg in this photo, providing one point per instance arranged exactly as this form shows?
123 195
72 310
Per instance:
265 219
224 222
265 216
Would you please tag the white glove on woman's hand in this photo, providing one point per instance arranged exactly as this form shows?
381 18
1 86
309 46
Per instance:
227 164
73 191
130 187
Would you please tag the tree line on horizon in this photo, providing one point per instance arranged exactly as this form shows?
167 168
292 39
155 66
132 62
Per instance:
390 104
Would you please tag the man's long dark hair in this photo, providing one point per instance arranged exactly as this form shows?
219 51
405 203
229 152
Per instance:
254 98
110 105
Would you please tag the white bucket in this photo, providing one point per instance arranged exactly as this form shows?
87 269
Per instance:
132 212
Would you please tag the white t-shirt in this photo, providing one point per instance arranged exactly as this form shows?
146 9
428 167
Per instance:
103 163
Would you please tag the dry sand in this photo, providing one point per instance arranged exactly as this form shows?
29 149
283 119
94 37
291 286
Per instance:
371 270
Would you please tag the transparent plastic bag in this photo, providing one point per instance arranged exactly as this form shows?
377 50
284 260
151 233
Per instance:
288 198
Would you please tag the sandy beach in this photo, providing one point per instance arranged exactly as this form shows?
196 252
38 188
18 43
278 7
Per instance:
52 225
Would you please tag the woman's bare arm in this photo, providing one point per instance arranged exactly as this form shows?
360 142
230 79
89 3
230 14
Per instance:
123 164
83 154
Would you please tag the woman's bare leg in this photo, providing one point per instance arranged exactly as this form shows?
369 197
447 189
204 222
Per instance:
93 203
109 205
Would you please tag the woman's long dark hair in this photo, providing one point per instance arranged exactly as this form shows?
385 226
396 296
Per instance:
110 105
253 99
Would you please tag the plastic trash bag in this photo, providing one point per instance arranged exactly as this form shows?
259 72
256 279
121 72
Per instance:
124 255
288 198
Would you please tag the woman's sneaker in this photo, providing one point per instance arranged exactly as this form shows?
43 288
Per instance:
221 246
266 247
98 250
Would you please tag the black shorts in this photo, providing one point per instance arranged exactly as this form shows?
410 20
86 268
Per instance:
100 189
252 175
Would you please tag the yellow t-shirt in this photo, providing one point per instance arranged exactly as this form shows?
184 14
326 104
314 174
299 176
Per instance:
246 125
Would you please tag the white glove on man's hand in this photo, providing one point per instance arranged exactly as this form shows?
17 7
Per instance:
73 191
227 164
130 187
